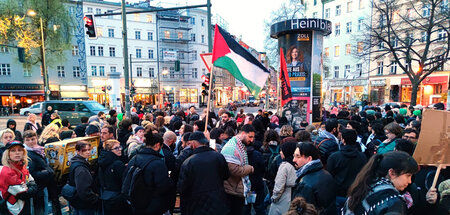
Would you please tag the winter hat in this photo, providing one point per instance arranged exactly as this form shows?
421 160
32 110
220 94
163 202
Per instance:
417 113
444 188
288 150
403 111
138 128
92 129
370 112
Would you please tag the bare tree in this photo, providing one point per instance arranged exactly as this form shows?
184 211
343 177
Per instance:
413 34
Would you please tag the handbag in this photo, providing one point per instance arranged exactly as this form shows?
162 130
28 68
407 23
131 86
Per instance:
69 192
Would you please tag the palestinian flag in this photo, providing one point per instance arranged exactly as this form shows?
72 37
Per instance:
229 55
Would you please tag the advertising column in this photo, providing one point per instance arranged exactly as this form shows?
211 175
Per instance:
301 42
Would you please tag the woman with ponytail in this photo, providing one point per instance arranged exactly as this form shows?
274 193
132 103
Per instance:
376 189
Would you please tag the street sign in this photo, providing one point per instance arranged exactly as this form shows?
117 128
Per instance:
207 60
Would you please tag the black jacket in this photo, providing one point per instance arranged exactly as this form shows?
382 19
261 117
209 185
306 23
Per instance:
157 180
40 170
256 159
318 188
230 123
344 165
122 136
184 154
16 132
111 170
80 130
202 192
81 178
29 126
46 118
326 148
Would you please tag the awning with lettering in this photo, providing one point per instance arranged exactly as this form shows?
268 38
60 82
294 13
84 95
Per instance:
74 95
428 80
22 92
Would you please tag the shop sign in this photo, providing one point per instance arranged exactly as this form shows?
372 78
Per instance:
381 82
21 87
428 80
348 83
170 55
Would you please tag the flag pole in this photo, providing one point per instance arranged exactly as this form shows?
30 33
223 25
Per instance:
209 98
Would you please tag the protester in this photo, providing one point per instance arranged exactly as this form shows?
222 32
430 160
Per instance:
238 186
50 134
124 132
192 116
56 119
226 122
68 134
46 117
11 124
202 192
327 141
314 183
186 151
411 135
80 129
377 186
31 124
256 160
286 131
135 142
6 136
65 125
299 206
17 186
80 177
393 132
111 170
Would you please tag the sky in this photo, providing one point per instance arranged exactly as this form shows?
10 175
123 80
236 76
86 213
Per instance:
245 17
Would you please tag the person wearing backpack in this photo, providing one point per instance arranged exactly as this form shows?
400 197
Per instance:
147 183
85 201
110 174
327 141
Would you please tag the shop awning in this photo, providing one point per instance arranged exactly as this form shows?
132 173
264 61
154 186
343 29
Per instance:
22 93
428 80
74 95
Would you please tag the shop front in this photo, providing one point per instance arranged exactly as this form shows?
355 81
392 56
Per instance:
347 91
377 91
20 95
430 91
68 92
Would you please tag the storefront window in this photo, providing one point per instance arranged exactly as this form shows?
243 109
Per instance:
188 96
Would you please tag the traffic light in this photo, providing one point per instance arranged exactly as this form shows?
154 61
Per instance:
21 53
89 23
177 65
103 89
132 91
205 84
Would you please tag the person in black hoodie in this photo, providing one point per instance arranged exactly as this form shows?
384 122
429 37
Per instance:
345 164
46 116
256 159
11 124
124 133
110 174
156 176
86 200
81 128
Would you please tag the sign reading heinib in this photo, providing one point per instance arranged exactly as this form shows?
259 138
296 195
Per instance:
296 25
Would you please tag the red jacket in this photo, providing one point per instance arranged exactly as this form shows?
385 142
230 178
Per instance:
14 182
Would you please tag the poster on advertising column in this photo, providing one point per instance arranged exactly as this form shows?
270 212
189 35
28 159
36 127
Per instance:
298 52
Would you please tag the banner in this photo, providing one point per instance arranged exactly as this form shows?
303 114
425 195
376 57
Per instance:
286 94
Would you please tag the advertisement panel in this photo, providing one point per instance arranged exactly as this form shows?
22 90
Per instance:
170 55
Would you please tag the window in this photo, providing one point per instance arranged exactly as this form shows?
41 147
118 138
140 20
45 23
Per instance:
360 47
361 4
111 32
349 27
194 72
75 50
360 24
112 69
359 69
101 70
382 21
61 73
112 51
99 32
315 2
346 71
180 35
380 45
349 6
380 68
348 49
71 10
92 48
444 6
338 10
194 55
193 37
100 51
137 35
203 38
137 17
424 37
138 53
327 13
149 18
394 42
336 71
337 29
172 72
150 54
409 39
149 35
336 51
151 72
327 52
315 15
442 34
167 34
5 69
110 11
139 71
27 72
438 89
4 49
98 10
76 71
90 10
94 70
426 10
393 67
203 22
192 20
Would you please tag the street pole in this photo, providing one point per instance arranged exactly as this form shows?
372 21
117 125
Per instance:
157 62
131 81
210 41
44 66
125 59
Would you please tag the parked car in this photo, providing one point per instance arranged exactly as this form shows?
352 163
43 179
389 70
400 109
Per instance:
252 101
74 110
35 108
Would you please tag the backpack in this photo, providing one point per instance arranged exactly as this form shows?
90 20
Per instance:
272 156
134 187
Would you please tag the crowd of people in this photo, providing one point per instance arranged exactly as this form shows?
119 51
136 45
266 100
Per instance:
355 162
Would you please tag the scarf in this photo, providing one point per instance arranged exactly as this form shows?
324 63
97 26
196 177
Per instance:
302 169
235 152
38 149
328 135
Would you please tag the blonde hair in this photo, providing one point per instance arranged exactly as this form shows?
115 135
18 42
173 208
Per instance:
6 161
107 145
286 130
7 130
51 130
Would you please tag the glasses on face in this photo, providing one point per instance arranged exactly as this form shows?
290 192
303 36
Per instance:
408 137
118 148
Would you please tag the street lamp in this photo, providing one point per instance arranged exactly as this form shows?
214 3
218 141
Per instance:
44 67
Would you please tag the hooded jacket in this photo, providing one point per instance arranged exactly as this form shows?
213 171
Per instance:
344 165
326 143
16 132
80 177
